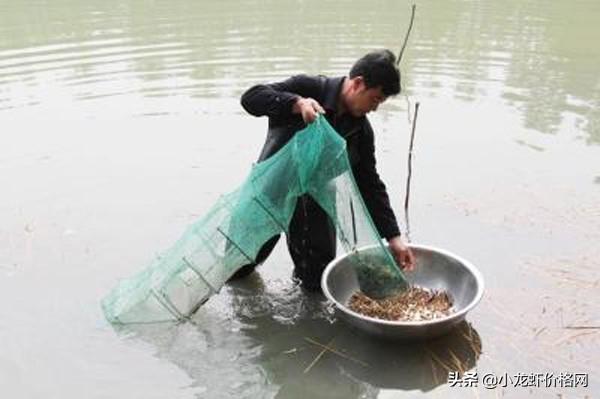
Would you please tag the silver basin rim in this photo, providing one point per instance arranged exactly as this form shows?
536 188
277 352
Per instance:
454 316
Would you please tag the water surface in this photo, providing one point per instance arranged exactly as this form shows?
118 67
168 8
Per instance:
121 124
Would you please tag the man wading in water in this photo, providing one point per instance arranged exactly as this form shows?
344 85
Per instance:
344 101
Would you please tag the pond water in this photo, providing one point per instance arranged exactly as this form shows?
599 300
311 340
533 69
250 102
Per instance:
120 125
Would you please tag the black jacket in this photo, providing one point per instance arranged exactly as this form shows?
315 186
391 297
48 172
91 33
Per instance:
276 101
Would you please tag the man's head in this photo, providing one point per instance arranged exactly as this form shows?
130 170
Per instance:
373 78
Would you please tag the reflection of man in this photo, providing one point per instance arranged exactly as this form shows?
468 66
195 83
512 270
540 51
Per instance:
345 101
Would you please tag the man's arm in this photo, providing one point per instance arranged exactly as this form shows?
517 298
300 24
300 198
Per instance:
371 187
282 99
376 198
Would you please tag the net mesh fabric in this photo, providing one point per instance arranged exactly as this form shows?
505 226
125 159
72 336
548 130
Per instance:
232 232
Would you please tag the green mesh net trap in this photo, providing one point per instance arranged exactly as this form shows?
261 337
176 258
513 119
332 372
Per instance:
232 232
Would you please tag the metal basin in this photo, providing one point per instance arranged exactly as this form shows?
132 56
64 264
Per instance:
436 269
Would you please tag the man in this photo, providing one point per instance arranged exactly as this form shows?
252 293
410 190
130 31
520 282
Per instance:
344 101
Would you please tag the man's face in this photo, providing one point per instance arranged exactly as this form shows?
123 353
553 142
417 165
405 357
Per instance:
362 100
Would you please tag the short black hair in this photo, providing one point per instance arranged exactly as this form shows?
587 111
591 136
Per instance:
378 68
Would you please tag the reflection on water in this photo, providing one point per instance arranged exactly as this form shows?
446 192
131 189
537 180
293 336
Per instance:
411 365
533 55
288 344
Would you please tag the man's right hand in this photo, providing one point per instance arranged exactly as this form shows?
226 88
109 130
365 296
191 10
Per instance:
309 108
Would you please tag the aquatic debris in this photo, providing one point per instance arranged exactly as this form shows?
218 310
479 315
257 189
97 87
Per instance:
582 327
316 359
414 304
570 338
539 332
336 352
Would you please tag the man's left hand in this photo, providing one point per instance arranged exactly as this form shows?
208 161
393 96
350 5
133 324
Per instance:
402 253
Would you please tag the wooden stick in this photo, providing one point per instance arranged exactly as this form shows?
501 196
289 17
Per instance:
412 17
437 359
541 330
582 327
307 369
433 371
457 362
571 337
316 359
408 107
334 351
410 154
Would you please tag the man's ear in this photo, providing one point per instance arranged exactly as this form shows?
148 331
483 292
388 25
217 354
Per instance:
359 83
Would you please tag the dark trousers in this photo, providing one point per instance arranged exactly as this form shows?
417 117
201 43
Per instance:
311 243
